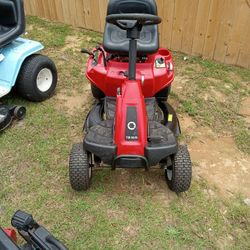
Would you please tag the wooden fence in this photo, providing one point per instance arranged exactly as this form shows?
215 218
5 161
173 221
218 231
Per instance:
214 29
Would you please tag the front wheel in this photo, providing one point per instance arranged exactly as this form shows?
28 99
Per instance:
80 169
179 173
37 79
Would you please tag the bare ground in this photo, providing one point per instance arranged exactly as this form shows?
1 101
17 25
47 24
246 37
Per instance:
245 110
217 159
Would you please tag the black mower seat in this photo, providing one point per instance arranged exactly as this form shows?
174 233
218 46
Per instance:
12 20
115 39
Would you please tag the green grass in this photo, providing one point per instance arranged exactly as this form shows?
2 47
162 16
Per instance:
123 209
50 35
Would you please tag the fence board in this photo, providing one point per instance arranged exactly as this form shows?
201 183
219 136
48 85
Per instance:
189 26
178 24
216 9
59 10
102 10
214 29
228 16
201 26
167 24
239 30
92 15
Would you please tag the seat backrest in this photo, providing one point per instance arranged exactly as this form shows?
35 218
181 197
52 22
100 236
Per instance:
12 20
115 39
8 14
132 6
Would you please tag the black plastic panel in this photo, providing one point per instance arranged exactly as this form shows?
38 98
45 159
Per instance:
131 124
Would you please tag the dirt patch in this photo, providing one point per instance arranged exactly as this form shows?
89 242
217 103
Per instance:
139 182
132 231
245 109
179 84
186 122
220 97
122 178
221 163
72 42
217 159
71 103
116 214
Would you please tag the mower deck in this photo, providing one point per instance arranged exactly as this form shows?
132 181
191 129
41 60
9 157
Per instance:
5 117
8 113
163 127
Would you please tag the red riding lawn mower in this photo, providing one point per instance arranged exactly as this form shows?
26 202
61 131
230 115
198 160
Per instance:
35 236
131 125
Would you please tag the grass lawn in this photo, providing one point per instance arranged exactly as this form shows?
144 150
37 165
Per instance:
124 209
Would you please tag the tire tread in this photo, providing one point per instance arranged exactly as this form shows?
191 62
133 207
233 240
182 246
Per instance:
79 168
182 172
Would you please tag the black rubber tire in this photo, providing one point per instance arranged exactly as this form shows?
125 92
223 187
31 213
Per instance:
19 112
26 84
163 94
181 171
79 168
96 92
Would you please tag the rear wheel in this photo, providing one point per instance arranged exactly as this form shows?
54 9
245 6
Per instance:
179 173
96 92
163 94
80 169
37 79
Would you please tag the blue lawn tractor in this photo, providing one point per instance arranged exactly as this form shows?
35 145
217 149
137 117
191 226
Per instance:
34 76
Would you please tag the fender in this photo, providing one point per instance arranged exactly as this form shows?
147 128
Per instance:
12 57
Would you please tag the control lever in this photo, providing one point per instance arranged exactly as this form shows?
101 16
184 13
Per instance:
85 51
36 236
98 48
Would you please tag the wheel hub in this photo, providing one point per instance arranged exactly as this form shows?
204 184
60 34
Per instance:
169 171
44 80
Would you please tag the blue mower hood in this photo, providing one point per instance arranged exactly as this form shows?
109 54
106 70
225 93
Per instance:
12 57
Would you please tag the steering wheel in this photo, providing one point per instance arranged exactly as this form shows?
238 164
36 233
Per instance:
122 20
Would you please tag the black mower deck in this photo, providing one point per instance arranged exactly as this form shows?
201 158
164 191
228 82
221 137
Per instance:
8 113
5 117
162 133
